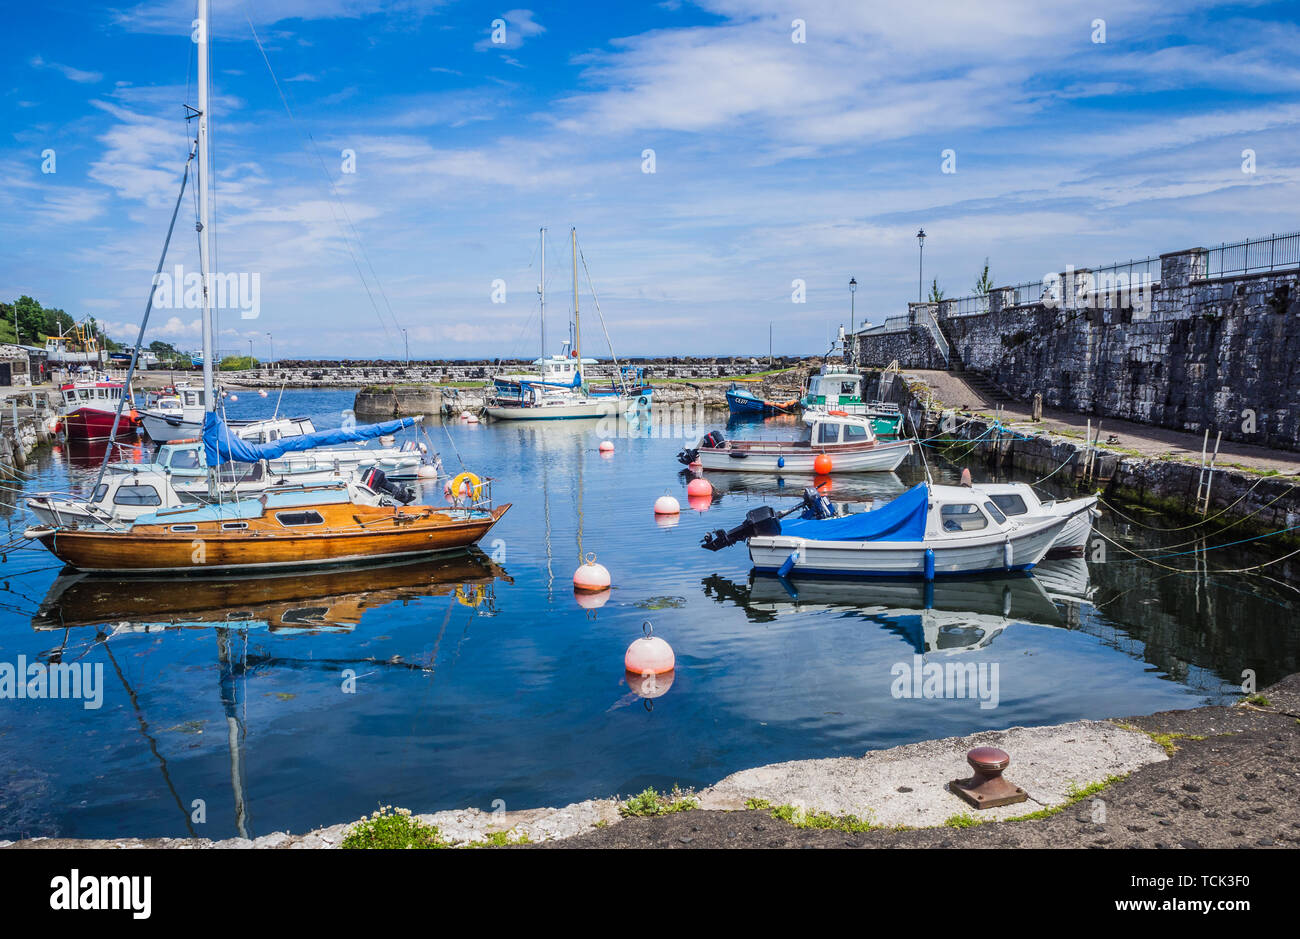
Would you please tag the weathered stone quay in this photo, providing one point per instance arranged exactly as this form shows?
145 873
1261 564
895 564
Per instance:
23 428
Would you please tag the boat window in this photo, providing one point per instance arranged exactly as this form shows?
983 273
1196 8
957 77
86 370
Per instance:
848 387
136 495
1010 503
962 517
100 491
184 459
233 526
299 518
69 396
995 513
854 432
828 433
185 528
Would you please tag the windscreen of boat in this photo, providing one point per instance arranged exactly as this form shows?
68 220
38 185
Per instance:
900 520
1009 503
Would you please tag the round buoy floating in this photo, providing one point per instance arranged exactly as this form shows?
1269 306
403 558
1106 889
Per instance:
427 472
699 487
822 465
234 397
649 655
262 393
606 447
591 576
667 505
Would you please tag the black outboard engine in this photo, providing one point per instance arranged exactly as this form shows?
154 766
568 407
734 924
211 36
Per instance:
760 521
817 505
713 440
377 480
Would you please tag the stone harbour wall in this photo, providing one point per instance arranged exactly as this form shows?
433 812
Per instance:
1216 353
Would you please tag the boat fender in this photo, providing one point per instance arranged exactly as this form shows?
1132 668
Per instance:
788 565
1007 554
780 462
929 563
643 401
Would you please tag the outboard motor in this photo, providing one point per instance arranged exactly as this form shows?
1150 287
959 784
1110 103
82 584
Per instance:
377 480
817 505
713 440
760 521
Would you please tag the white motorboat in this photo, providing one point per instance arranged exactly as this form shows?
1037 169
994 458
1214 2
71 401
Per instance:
1019 501
178 415
929 531
847 443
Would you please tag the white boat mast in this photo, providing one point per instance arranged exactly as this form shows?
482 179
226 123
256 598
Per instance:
209 394
577 327
541 289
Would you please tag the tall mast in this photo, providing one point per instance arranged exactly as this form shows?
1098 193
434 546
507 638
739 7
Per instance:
541 289
209 392
577 327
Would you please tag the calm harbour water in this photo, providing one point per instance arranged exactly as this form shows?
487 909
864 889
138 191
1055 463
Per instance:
481 678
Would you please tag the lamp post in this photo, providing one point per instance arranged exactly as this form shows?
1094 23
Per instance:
920 271
853 288
271 343
250 353
406 341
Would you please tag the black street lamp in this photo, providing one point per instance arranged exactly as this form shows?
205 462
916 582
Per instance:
920 271
853 288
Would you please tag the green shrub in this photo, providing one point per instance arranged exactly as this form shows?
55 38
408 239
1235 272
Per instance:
387 828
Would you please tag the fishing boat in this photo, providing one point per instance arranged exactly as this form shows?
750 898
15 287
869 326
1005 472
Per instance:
839 388
285 527
833 444
559 391
1020 501
741 401
929 531
89 408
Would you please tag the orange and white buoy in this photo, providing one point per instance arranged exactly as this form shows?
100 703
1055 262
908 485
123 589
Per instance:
262 393
667 505
590 576
606 446
699 487
649 655
822 465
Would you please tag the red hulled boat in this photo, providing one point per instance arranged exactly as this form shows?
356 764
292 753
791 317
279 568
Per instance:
88 409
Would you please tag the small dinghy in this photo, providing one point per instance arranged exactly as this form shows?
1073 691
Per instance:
929 531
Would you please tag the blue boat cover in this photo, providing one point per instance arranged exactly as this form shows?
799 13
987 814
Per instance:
901 520
220 445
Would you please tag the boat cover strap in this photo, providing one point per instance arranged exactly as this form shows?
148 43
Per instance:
220 445
903 519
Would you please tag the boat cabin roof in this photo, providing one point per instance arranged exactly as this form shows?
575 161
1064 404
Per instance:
289 497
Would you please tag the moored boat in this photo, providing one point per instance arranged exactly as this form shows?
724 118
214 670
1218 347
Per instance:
1021 502
90 407
929 531
834 444
742 401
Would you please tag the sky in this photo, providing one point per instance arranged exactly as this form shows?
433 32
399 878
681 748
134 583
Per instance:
385 165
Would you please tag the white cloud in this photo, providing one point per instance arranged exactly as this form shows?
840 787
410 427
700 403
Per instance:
70 73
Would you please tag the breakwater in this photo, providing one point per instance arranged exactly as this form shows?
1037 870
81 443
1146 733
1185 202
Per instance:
1177 346
23 428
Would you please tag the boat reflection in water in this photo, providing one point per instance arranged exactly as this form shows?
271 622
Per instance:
332 600
949 616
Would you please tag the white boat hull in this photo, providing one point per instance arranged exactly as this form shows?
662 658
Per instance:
882 458
590 408
978 554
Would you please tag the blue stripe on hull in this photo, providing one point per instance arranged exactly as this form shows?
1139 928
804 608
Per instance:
900 575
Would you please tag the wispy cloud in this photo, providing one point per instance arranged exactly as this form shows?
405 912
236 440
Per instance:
71 74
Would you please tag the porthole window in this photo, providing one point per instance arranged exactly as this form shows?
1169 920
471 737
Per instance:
289 519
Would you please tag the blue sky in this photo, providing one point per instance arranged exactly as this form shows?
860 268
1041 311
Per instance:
775 160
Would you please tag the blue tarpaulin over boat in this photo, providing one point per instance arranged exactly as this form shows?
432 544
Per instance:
220 445
901 520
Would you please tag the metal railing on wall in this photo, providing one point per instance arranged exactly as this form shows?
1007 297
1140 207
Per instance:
1254 255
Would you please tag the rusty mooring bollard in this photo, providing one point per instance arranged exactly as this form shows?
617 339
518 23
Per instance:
987 789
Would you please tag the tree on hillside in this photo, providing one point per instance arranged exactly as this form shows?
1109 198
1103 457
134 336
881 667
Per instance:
31 320
57 321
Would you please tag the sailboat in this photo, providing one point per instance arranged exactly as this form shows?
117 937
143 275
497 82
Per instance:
287 527
559 390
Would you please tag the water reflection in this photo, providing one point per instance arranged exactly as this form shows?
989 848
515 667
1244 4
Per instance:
949 616
284 602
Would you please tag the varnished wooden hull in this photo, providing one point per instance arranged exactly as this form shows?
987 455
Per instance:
350 534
